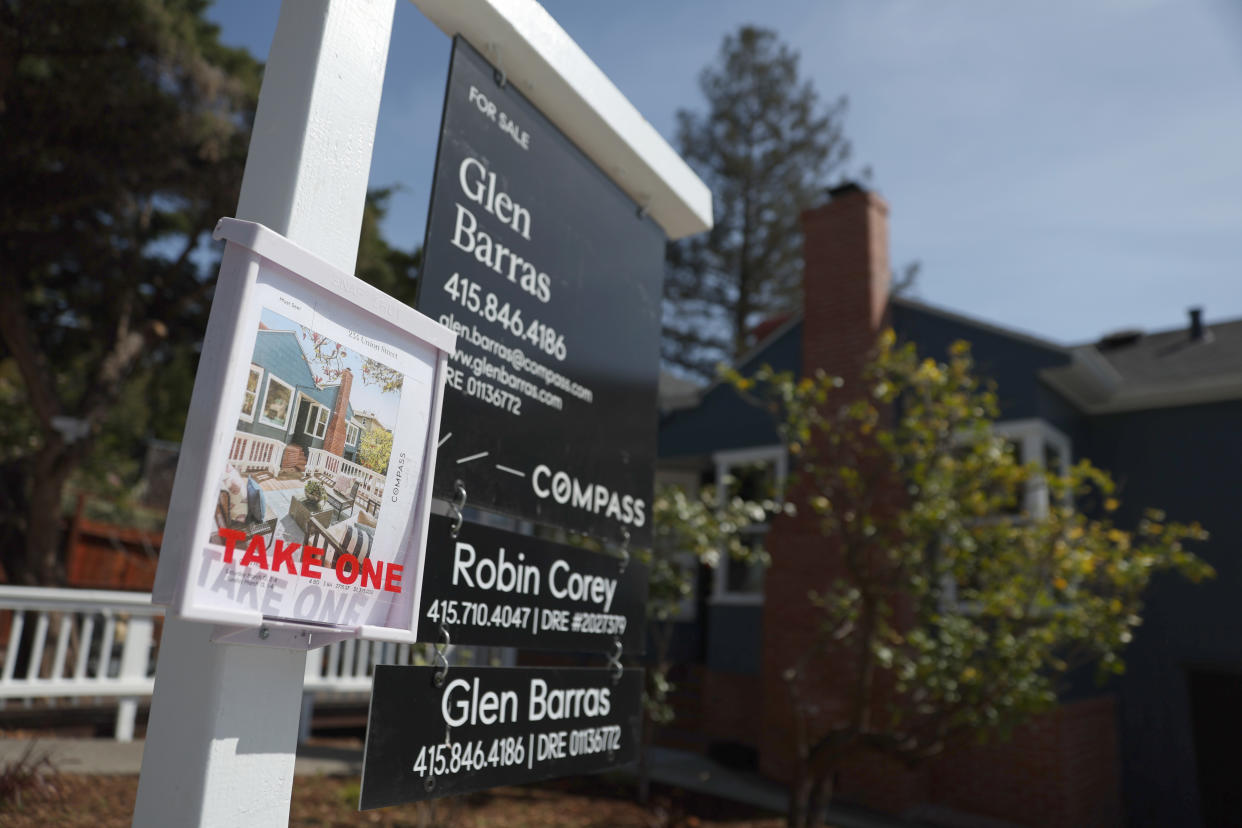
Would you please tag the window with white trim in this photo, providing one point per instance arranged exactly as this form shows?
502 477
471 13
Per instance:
317 422
689 481
756 474
352 433
251 397
277 401
1037 441
1031 440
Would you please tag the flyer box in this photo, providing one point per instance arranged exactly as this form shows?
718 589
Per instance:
303 491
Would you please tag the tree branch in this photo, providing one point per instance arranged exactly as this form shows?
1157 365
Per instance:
128 344
38 378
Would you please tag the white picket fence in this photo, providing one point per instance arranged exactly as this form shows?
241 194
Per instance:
320 460
65 646
250 452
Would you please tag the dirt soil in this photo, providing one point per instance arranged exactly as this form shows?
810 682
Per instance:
70 801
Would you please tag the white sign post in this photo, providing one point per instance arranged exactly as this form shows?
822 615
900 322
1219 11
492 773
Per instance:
224 717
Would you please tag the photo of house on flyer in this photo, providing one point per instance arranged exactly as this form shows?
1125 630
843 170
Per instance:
310 511
310 457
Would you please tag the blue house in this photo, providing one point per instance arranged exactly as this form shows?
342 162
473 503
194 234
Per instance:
286 416
1160 411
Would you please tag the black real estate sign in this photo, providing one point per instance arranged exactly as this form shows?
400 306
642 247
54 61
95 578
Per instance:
488 586
485 727
551 276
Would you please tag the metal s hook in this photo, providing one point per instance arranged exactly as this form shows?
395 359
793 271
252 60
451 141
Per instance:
441 660
625 548
441 674
456 505
614 661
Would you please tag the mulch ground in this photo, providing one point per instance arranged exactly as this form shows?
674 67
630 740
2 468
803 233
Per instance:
70 801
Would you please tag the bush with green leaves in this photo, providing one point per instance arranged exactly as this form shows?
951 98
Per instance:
957 609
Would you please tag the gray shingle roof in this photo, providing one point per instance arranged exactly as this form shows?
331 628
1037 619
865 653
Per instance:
1124 373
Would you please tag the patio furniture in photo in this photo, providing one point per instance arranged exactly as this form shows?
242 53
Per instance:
343 495
351 536
227 517
302 510
370 503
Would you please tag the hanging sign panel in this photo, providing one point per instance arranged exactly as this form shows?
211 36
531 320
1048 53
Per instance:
486 727
551 277
302 492
495 588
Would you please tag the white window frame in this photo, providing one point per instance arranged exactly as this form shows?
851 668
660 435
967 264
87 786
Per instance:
317 418
688 481
1033 434
724 461
293 402
357 432
258 387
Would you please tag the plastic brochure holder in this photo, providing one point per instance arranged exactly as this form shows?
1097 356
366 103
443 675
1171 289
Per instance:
302 367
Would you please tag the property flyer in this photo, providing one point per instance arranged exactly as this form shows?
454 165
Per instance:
319 477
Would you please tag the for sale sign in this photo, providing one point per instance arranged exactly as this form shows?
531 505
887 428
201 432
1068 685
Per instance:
551 278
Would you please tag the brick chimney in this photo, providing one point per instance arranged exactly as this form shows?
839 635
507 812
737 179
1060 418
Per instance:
845 280
845 305
334 438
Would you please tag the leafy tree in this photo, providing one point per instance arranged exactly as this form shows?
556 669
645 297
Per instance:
689 532
388 268
330 356
955 609
376 449
766 149
124 125
376 373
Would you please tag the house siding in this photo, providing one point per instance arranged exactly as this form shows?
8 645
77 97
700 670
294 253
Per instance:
723 420
736 638
279 354
1013 364
1184 461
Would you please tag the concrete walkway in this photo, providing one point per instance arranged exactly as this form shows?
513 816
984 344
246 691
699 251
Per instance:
695 772
104 756
676 768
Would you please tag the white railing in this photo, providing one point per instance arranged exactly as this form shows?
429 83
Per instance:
325 461
75 643
250 452
65 645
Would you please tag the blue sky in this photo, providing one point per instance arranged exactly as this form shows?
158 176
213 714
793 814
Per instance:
1064 168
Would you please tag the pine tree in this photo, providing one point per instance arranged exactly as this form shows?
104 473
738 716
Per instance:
388 268
766 148
124 125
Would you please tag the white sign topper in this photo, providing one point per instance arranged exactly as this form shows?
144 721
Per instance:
303 490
